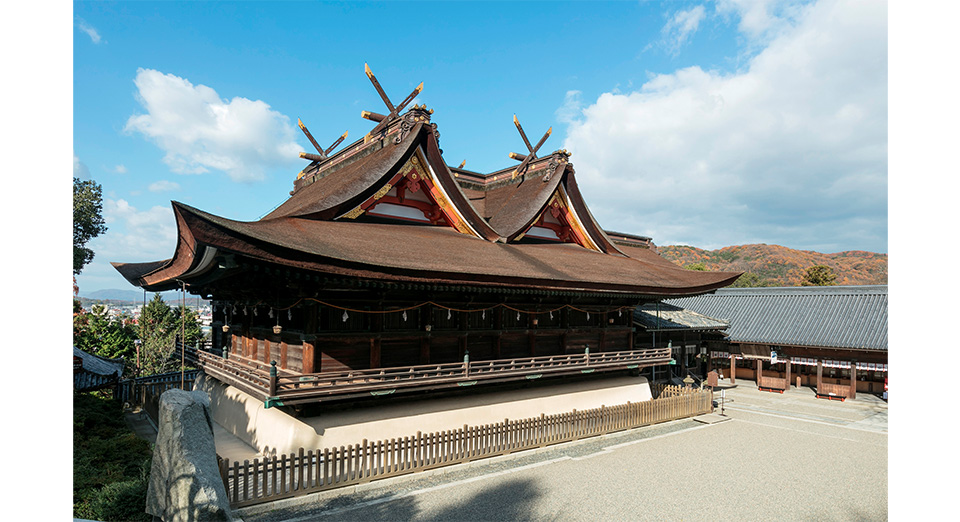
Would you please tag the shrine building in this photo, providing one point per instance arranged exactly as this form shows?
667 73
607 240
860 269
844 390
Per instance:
389 272
830 338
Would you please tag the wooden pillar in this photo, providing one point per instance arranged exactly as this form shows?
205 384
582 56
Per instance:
532 340
266 348
462 338
604 321
376 325
246 336
819 375
733 369
759 372
425 349
683 353
498 326
853 379
311 355
787 379
374 352
283 353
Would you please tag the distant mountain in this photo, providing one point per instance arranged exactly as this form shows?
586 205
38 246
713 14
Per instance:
781 266
135 296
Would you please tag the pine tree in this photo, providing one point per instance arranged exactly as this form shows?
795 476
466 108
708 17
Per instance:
819 275
158 331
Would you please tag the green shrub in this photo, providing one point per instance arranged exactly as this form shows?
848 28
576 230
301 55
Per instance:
110 463
121 501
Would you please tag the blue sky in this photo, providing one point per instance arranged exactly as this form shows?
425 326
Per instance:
708 123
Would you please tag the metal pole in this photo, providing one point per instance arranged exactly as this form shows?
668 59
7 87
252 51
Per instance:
183 329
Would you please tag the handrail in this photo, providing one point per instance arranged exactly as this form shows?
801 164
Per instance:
470 370
271 382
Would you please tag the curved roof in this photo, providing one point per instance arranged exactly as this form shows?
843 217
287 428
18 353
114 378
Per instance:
423 253
322 227
853 317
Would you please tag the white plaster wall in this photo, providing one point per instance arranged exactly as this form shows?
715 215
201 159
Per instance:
272 430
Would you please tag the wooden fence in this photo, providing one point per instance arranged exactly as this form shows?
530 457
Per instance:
834 390
303 472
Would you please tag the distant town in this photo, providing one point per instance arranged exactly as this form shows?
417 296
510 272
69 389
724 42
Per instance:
117 308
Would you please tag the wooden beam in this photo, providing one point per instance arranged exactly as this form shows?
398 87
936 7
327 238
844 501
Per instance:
819 375
853 379
425 350
309 356
788 363
733 369
374 353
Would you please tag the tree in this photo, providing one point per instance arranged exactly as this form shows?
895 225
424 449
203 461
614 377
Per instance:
748 280
700 267
191 327
87 220
157 330
97 333
819 275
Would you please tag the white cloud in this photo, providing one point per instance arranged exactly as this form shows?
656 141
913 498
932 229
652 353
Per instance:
80 169
133 235
572 106
761 20
120 169
680 27
163 186
87 28
200 131
790 150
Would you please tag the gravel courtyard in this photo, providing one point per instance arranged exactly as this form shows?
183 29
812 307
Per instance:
778 457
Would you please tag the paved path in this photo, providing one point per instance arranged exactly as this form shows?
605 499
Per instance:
228 445
780 457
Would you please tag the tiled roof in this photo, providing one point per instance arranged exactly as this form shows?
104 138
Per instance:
664 316
852 317
96 372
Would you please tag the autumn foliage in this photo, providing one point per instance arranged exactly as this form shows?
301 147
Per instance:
781 266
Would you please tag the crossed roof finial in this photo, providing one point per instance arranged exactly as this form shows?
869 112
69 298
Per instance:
394 111
321 154
525 159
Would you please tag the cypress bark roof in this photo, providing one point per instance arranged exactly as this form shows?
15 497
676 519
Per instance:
324 227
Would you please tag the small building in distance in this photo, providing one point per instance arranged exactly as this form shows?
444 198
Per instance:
831 338
92 372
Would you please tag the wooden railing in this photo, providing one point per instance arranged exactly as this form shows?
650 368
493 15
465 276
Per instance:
249 379
280 387
144 392
303 472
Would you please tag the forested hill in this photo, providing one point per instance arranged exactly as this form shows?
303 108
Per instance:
776 265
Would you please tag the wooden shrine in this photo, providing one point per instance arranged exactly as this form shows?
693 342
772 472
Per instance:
388 271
